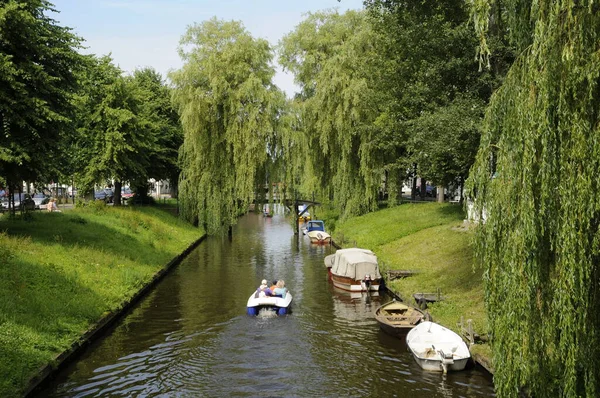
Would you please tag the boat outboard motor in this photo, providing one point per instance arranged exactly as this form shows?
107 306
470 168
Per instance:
366 283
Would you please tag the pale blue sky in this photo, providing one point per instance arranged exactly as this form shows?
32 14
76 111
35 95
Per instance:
142 33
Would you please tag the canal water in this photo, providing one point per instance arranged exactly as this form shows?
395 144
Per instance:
191 337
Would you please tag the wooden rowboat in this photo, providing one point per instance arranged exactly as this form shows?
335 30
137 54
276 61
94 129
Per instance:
397 319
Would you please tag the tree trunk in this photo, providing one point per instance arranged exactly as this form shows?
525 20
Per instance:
117 193
440 194
413 190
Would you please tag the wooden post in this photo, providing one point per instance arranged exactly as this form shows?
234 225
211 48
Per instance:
297 229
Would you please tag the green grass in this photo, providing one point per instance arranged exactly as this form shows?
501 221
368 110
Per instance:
429 239
61 272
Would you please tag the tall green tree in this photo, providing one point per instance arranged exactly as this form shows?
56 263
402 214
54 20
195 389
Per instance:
113 140
536 179
163 129
332 55
438 91
38 61
227 104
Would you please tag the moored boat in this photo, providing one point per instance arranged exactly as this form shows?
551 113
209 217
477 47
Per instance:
397 319
315 229
280 305
437 348
320 237
354 270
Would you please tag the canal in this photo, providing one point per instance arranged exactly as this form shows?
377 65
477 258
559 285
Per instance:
191 337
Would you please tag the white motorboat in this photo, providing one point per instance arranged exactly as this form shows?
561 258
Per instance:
354 270
320 237
277 304
437 348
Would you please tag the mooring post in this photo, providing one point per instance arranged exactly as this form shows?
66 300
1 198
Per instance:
297 229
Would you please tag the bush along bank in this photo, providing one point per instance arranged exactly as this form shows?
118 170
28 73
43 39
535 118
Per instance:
431 240
60 273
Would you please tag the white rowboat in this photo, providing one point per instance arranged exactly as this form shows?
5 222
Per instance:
436 348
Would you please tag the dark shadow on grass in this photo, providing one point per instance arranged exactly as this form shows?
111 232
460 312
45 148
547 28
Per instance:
52 307
452 210
70 229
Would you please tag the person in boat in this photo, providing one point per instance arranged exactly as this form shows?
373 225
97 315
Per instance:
280 290
274 285
263 290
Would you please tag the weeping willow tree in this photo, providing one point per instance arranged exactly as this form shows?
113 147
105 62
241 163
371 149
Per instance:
227 105
330 55
536 179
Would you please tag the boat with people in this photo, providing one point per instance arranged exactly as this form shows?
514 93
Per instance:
354 269
397 318
278 299
437 348
315 229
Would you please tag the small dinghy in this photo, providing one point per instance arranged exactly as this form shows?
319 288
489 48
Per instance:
397 319
436 348
279 305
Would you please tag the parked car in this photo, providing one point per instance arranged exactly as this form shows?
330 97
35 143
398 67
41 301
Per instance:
23 201
126 193
40 200
105 194
100 195
109 194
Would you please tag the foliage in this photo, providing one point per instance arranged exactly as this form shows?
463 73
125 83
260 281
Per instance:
38 60
332 58
228 107
431 71
61 272
127 129
163 129
444 142
536 177
110 142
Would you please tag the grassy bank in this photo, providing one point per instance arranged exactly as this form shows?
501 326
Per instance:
430 239
61 272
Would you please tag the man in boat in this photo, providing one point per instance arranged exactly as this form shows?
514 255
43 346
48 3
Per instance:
263 290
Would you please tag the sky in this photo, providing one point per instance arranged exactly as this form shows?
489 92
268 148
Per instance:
141 33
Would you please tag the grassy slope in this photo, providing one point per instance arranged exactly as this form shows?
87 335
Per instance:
60 272
427 238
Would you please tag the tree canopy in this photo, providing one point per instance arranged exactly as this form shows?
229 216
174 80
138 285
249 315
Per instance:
127 130
228 106
332 58
38 63
536 178
438 91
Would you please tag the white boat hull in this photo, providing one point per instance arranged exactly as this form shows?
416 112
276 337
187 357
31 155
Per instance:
319 237
277 304
436 365
436 348
353 286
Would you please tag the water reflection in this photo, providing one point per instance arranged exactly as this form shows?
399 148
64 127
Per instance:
191 336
